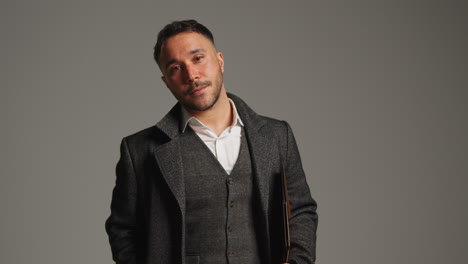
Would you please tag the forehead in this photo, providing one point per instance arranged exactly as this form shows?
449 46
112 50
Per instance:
183 43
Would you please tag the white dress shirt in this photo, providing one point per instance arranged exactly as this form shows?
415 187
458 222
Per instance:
225 147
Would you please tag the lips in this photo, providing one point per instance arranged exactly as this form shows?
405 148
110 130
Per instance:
197 87
198 90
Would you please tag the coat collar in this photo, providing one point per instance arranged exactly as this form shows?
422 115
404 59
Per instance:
170 123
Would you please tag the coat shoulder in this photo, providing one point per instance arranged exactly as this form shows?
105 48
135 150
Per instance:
146 139
274 126
273 122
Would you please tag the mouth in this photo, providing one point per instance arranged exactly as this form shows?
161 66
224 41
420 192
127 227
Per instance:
197 88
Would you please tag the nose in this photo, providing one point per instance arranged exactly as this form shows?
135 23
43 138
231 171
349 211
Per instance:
191 73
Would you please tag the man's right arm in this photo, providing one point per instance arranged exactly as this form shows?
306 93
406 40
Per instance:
121 226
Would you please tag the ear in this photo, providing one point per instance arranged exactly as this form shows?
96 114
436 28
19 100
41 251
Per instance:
164 80
220 59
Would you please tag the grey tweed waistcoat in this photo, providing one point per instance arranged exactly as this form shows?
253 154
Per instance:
219 223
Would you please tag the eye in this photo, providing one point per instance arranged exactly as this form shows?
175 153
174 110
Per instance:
175 68
198 58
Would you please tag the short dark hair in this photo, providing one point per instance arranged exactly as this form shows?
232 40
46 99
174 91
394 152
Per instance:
175 28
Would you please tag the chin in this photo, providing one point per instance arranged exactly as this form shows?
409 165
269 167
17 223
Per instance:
202 105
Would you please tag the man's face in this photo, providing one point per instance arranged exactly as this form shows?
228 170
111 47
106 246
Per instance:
192 70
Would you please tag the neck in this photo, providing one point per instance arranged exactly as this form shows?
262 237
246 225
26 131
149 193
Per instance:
218 117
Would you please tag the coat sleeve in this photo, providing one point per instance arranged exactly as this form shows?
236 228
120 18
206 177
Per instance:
121 226
304 219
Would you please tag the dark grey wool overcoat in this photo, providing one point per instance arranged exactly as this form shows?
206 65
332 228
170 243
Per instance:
146 224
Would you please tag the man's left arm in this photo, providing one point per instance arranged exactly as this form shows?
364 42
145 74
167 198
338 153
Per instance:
304 219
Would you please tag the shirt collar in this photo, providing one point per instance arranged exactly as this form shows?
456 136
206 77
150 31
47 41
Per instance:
187 118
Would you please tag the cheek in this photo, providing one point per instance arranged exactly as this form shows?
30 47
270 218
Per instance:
172 85
173 80
211 69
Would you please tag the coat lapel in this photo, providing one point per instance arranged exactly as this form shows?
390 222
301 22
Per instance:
262 159
264 153
169 160
263 149
168 156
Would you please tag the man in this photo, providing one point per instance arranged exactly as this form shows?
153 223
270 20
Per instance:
203 185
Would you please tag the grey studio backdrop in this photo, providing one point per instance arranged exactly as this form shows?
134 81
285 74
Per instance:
375 91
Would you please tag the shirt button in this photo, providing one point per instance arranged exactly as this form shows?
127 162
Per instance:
230 254
229 180
231 204
229 228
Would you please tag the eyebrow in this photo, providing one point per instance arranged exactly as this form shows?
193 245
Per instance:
169 63
191 53
197 51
